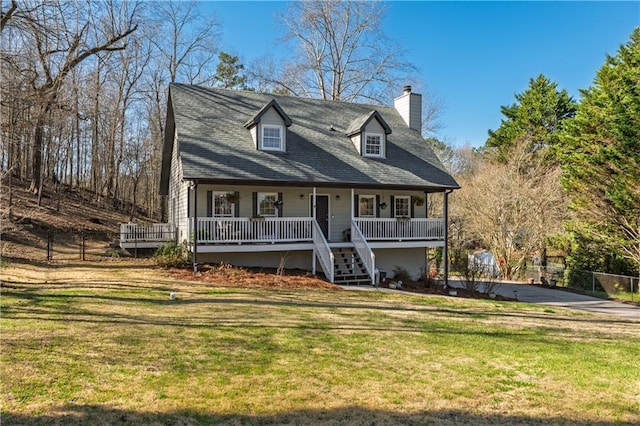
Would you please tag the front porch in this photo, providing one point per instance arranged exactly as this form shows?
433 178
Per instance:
214 235
295 233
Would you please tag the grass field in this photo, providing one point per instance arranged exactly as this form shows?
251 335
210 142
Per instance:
102 343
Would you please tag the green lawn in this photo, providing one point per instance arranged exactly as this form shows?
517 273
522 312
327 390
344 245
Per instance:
102 343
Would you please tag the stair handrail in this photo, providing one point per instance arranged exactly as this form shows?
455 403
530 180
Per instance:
367 255
323 252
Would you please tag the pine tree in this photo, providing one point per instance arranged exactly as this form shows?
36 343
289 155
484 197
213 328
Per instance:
600 153
536 116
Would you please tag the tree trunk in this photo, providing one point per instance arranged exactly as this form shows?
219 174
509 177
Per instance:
36 156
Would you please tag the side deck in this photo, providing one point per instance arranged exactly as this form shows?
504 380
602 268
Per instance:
135 235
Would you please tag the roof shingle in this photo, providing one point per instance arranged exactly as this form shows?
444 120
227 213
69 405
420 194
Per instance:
215 146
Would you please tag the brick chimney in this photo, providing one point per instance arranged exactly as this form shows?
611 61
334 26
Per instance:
409 106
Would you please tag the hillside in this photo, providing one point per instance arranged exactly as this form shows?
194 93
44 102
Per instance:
63 217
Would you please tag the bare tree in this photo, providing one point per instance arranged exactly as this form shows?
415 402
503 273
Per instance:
6 15
186 42
63 35
341 53
512 207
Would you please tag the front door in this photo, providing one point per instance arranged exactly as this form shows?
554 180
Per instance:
322 213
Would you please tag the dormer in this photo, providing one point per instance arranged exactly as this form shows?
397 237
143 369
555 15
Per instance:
268 128
369 135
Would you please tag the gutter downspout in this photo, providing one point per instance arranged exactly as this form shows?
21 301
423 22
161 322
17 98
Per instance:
445 251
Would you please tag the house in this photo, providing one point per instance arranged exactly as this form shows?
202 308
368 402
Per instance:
257 179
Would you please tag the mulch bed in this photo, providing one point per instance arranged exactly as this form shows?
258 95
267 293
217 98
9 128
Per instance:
232 276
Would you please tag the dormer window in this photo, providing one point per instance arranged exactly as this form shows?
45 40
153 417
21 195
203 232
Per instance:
369 135
268 127
271 137
373 145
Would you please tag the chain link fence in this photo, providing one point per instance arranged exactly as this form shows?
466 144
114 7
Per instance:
607 285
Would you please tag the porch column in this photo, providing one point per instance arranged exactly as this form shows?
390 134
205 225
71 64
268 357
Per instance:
445 251
313 203
352 211
195 226
313 213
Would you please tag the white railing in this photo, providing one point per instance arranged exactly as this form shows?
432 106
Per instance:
154 232
212 230
398 229
364 251
323 252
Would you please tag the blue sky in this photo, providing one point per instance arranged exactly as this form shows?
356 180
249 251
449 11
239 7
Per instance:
474 56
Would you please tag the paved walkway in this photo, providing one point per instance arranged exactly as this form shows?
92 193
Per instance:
552 297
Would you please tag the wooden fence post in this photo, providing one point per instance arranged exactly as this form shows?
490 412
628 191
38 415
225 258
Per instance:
49 246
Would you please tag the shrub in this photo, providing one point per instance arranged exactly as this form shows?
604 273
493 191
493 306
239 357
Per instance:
401 274
115 252
171 256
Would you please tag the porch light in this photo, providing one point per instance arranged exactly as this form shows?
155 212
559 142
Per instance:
383 205
338 197
278 204
302 196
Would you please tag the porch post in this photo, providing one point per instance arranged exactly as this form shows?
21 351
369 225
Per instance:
445 251
313 204
195 227
351 203
313 213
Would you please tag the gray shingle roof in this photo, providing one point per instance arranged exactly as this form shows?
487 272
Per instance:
358 125
215 146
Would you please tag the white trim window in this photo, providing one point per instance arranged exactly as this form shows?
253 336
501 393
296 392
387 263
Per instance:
366 206
373 145
402 207
267 204
221 206
271 139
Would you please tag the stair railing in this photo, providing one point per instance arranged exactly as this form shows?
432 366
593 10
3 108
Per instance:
323 252
367 255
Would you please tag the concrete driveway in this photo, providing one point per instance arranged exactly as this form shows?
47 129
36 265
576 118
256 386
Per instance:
561 298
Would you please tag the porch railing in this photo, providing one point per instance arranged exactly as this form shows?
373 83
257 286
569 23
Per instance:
398 229
364 251
154 232
223 230
323 252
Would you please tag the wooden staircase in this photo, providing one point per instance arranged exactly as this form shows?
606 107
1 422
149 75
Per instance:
348 268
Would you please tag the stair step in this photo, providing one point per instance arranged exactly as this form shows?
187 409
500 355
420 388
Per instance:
349 268
353 280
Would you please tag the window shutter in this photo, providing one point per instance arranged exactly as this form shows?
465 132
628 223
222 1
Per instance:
236 205
377 206
209 203
413 213
393 206
255 203
356 205
281 208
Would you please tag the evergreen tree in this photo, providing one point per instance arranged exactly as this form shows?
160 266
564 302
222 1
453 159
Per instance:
230 72
600 153
536 117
